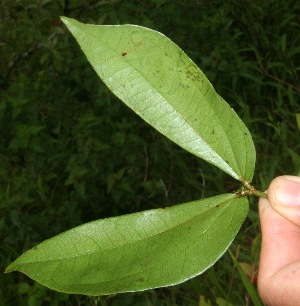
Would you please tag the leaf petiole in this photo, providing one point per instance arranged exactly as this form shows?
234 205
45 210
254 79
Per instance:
259 193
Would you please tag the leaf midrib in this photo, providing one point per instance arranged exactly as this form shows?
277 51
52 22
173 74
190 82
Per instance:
162 95
142 239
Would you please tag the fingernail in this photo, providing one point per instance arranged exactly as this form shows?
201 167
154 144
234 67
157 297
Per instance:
287 191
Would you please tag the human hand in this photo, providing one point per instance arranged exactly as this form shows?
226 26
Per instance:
279 268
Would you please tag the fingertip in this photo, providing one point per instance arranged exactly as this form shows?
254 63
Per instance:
284 197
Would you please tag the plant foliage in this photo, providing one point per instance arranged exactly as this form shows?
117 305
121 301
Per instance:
71 153
136 252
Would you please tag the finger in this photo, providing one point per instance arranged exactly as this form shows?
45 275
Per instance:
279 269
284 196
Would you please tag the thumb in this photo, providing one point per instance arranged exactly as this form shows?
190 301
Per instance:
284 196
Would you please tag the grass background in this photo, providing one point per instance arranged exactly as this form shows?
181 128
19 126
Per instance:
70 152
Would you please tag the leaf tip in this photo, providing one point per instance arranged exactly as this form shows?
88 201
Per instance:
9 269
64 19
13 266
68 21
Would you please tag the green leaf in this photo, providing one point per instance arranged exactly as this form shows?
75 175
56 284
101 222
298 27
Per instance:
248 285
155 78
298 120
149 249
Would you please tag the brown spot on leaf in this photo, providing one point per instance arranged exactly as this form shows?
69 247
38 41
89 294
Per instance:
124 53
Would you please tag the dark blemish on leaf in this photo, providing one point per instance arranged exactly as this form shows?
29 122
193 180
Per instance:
184 86
217 205
192 72
141 280
124 53
245 134
213 131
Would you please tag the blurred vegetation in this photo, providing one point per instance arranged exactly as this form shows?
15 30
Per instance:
70 152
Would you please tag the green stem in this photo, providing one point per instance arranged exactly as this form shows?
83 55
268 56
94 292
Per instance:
259 194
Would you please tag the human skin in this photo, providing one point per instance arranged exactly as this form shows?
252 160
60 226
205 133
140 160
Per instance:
279 268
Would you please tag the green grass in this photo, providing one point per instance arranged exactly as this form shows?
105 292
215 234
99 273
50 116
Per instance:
70 152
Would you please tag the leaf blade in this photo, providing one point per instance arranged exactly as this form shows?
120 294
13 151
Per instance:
155 78
140 251
252 291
